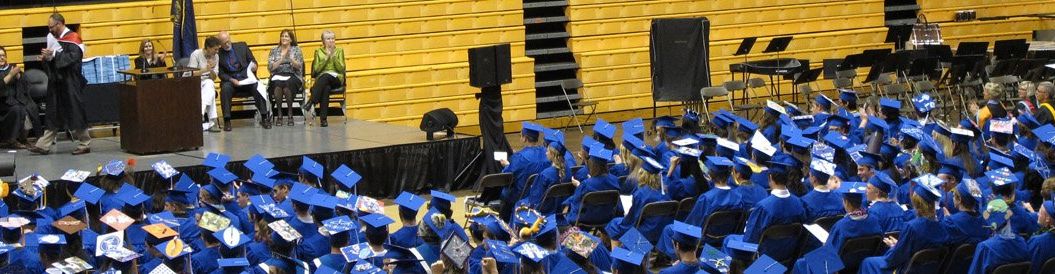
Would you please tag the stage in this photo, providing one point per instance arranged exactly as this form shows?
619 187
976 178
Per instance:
390 158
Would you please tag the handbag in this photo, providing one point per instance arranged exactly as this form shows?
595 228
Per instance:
925 33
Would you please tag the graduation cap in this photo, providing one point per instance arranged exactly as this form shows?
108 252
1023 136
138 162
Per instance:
161 269
565 265
160 231
883 182
216 160
824 260
961 135
745 125
164 169
69 225
633 240
824 101
339 224
223 176
262 180
501 252
822 170
121 254
969 189
868 159
164 217
837 140
45 239
722 121
686 142
634 127
268 209
688 152
174 248
715 259
718 164
726 147
284 231
686 234
998 160
75 176
632 142
493 225
89 193
923 103
231 237
927 192
132 195
665 122
71 207
800 143
604 129
1002 126
441 200
774 108
302 193
803 121
532 251
877 124
346 176
116 219
213 222
183 192
852 190
114 168
690 116
912 132
312 167
1028 120
765 265
408 201
847 95
531 129
579 242
600 153
746 166
376 221
889 103
1001 177
258 164
236 263
952 167
627 260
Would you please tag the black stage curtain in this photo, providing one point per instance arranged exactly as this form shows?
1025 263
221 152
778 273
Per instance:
386 171
102 103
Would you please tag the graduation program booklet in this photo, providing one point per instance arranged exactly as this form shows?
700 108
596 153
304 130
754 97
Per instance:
501 156
817 232
627 201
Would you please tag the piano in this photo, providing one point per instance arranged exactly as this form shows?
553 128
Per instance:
782 66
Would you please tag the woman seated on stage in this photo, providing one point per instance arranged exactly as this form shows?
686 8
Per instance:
17 109
286 64
328 71
149 58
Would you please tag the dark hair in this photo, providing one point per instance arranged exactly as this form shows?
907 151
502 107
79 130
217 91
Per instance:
780 179
340 240
292 37
691 167
377 238
407 214
3 49
685 248
58 18
212 41
853 201
597 167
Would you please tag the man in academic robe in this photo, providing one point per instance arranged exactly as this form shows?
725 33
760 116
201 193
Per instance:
65 107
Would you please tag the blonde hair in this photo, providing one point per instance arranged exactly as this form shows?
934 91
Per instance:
649 179
556 158
631 161
1030 87
923 208
994 89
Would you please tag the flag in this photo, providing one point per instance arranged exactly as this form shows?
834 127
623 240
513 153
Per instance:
184 29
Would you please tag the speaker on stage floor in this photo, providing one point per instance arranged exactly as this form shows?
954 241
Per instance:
439 120
679 53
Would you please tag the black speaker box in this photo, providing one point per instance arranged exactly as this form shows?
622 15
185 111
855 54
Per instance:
490 66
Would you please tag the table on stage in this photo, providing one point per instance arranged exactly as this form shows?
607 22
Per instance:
160 115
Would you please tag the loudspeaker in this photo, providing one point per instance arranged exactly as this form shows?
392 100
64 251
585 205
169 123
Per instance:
438 120
490 66
679 56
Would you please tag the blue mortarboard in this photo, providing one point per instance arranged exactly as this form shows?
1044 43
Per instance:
745 125
634 127
46 239
213 191
114 168
923 103
722 121
173 248
718 164
216 160
890 103
1028 120
89 193
765 265
440 198
410 201
997 160
222 175
690 116
1049 206
912 132
604 129
71 207
837 140
868 159
779 166
952 167
588 143
346 176
792 109
715 259
501 252
231 237
877 124
650 165
312 167
262 179
969 189
322 199
376 220
665 122
852 189
302 193
811 132
633 240
232 262
784 119
1023 153
927 192
554 136
531 129
532 251
686 233
838 120
803 121
625 259
883 182
1045 133
164 217
824 260
847 95
601 153
565 265
339 224
258 163
631 142
1002 177
801 143
824 101
788 132
132 195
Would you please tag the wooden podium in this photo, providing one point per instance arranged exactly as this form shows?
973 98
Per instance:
160 115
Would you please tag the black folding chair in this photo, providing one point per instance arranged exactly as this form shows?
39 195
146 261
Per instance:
684 207
722 223
527 187
556 191
960 260
783 253
1049 266
490 184
596 198
855 250
657 209
827 222
926 261
1013 268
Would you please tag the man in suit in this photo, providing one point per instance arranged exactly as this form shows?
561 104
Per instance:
236 62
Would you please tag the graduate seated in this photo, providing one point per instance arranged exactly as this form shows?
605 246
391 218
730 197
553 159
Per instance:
407 236
821 201
338 230
721 197
1003 247
891 216
922 232
1003 185
856 223
649 190
1042 246
779 208
557 172
686 240
600 180
967 225
528 161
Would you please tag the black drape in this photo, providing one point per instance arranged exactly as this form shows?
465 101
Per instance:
492 128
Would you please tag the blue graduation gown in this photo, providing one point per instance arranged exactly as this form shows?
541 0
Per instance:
1042 248
473 264
903 194
681 268
1022 221
276 263
23 260
761 179
917 234
964 228
771 133
256 253
996 251
822 204
772 210
713 200
619 170
406 236
680 187
751 194
109 201
597 214
429 252
848 228
204 260
546 179
312 246
523 164
650 227
890 215
333 261
148 266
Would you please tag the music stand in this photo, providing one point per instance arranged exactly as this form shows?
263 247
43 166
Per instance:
805 77
942 52
926 67
852 61
1010 49
871 56
972 48
778 44
831 66
745 46
898 35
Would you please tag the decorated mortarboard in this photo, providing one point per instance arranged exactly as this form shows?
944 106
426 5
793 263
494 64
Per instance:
339 224
231 237
847 95
852 189
114 168
69 225
174 248
1002 126
284 230
961 135
579 242
715 259
725 144
71 207
410 201
13 222
532 251
822 167
912 132
927 192
160 231
600 153
1023 152
270 209
633 240
312 167
823 151
688 152
75 176
109 241
627 258
823 260
257 163
501 252
346 176
1046 133
161 269
223 176
216 160
531 129
923 103
46 239
116 219
927 179
364 204
775 108
765 265
1001 177
686 142
604 129
213 222
164 217
164 169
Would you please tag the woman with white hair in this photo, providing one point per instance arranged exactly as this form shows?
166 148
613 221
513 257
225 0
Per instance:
1025 95
991 92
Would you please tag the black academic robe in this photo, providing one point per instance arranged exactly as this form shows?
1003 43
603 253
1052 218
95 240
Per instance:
65 99
15 106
